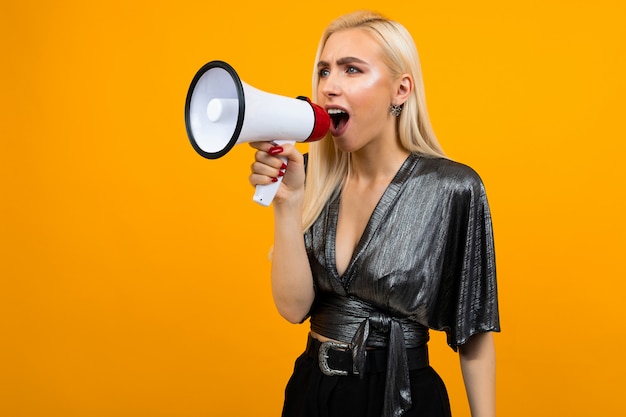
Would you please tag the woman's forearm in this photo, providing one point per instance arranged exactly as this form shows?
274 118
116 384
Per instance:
478 365
292 282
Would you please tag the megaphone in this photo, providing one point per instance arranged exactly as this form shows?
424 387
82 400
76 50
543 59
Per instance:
222 111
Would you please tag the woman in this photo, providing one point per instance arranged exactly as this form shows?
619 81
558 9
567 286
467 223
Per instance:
397 239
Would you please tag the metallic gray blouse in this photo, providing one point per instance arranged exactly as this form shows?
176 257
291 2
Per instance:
425 260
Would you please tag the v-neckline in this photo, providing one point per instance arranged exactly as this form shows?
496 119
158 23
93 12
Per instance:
387 198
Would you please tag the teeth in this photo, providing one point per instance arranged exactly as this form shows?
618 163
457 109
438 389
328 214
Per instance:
335 111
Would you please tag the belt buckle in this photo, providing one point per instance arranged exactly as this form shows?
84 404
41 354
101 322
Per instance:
323 358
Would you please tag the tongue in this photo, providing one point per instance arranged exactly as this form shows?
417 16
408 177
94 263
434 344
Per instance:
339 121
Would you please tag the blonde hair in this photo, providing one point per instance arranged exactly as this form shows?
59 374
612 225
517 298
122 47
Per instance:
328 166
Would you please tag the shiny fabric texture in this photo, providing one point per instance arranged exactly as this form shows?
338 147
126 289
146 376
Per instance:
425 260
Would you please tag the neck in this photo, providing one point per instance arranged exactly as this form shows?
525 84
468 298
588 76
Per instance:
372 165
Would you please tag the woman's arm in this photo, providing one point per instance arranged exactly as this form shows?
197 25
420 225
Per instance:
292 282
478 365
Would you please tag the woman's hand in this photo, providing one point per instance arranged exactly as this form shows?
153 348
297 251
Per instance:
273 161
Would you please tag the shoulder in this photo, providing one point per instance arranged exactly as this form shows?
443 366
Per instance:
449 174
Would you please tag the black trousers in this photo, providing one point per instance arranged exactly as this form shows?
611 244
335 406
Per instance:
310 393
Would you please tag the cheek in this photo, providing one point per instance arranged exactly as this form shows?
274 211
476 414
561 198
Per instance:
373 82
377 80
373 104
319 94
376 92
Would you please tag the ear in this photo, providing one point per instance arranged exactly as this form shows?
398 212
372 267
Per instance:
404 87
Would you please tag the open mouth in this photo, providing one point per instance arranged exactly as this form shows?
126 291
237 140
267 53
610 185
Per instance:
339 118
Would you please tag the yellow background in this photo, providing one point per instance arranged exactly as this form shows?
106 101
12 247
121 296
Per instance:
134 273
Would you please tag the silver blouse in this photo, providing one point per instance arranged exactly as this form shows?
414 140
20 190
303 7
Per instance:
425 260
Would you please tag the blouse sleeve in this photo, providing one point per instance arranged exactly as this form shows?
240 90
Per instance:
467 301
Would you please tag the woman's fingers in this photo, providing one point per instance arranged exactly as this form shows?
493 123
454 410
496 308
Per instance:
273 161
267 167
265 174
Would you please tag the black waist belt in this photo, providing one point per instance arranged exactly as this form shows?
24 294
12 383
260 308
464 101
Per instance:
335 358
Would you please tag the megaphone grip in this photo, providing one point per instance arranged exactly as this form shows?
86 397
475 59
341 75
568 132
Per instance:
264 194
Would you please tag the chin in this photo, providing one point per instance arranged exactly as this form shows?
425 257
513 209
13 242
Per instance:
343 145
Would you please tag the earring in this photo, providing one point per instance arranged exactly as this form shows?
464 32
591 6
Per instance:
395 109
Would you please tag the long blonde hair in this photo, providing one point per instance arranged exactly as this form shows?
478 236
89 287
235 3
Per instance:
328 166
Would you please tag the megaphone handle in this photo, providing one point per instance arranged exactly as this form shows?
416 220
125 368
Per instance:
264 194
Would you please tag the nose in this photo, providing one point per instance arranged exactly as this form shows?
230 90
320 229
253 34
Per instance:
329 86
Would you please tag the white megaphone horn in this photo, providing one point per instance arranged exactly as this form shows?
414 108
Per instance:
222 111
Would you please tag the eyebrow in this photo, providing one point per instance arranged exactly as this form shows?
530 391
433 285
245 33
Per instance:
342 61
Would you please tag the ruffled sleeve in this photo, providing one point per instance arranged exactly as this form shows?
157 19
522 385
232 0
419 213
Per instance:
467 300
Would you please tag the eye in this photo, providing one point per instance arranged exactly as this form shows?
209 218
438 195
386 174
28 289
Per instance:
352 70
324 72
